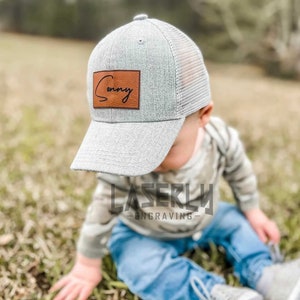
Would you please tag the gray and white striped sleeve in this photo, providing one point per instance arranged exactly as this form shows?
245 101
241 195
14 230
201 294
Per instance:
100 218
239 173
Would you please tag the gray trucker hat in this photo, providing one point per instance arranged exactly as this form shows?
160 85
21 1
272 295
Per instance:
143 79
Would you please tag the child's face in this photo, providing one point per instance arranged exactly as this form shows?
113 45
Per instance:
184 145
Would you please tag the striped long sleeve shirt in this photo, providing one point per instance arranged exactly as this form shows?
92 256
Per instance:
174 204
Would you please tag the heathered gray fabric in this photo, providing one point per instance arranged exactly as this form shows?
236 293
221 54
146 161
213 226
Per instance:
174 79
226 292
173 84
130 148
281 281
192 80
221 153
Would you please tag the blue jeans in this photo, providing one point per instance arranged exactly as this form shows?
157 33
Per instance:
155 270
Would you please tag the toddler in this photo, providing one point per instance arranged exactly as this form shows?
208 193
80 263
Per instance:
159 156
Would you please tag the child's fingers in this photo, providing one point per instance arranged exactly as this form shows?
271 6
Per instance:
65 292
59 284
73 294
84 294
261 234
273 232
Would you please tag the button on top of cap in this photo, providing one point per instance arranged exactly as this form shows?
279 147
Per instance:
140 17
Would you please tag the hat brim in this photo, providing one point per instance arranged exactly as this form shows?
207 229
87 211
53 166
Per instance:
129 149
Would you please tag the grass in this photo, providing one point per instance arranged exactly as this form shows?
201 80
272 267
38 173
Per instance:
43 118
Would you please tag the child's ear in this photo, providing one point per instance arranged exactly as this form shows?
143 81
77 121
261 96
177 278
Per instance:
204 114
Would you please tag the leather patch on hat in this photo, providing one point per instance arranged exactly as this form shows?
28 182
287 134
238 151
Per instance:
116 89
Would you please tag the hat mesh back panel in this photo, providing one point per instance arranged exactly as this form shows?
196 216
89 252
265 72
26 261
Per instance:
192 81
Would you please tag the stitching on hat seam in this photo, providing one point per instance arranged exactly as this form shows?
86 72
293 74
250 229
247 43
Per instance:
110 163
176 67
146 121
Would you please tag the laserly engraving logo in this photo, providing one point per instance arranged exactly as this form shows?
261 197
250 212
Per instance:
165 195
116 89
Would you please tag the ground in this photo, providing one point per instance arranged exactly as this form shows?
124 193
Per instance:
43 118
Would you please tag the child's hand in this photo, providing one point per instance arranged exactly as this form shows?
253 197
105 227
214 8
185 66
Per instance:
81 280
266 229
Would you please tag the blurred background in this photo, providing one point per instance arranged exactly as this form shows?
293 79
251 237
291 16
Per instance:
252 52
265 32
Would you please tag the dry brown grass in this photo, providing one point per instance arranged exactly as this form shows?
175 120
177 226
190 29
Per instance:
43 118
